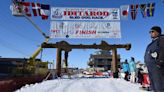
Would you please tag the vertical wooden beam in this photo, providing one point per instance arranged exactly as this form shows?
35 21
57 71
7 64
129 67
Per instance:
66 58
58 62
114 63
66 63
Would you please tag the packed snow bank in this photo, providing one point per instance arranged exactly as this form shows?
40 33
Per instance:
83 85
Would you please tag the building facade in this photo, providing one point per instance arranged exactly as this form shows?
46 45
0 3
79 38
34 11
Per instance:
102 59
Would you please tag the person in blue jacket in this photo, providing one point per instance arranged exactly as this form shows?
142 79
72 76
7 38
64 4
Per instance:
155 69
132 68
125 67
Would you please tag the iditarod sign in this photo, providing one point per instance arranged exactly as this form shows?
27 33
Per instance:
60 13
73 29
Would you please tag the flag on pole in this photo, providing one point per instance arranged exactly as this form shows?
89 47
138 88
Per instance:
45 11
150 9
134 9
143 10
16 9
18 0
26 8
124 11
36 9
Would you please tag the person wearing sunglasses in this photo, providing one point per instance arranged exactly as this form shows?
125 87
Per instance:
154 60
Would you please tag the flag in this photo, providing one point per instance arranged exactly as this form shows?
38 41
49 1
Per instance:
45 11
36 9
143 10
26 8
18 0
150 9
14 1
124 11
134 9
16 8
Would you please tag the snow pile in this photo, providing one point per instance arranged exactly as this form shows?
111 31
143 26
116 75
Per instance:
83 85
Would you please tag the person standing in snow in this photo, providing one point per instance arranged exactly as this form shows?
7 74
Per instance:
132 67
146 80
125 67
140 75
154 60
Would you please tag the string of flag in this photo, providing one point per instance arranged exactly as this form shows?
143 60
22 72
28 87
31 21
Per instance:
20 7
147 10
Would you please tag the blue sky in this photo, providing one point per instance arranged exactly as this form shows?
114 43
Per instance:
18 38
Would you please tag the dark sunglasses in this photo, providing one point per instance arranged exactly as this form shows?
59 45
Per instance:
152 31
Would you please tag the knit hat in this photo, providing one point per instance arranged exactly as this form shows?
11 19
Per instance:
157 29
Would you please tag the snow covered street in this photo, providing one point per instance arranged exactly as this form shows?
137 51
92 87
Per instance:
83 85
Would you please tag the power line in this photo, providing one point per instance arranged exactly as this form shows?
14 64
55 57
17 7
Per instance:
11 47
16 27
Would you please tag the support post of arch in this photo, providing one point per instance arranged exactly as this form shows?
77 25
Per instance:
58 62
114 63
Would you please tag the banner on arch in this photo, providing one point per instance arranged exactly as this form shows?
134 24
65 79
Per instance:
73 29
61 13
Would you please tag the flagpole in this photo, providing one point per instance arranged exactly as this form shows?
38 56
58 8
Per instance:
34 55
30 20
35 26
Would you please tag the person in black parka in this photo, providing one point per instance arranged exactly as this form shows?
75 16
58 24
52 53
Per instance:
154 60
140 75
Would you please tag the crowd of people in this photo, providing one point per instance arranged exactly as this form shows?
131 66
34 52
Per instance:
135 73
150 75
